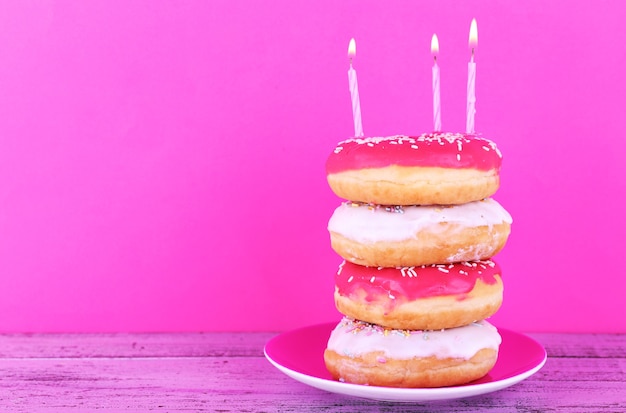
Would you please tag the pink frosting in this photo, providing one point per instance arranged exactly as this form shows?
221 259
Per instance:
438 149
410 283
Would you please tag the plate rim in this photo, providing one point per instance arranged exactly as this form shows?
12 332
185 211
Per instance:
394 394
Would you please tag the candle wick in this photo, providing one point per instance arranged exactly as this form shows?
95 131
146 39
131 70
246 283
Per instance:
472 54
350 58
435 57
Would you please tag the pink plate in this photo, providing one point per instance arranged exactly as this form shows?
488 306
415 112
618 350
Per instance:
299 354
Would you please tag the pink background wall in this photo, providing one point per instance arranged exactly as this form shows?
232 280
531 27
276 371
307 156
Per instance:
162 163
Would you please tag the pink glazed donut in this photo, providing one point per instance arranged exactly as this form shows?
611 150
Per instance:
431 169
429 297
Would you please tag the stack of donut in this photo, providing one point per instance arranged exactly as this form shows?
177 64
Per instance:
417 233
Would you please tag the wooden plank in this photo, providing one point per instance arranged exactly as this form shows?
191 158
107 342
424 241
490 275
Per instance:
251 384
226 372
133 345
582 345
581 369
241 344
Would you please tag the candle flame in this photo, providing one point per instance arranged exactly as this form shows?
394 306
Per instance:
473 35
434 45
352 48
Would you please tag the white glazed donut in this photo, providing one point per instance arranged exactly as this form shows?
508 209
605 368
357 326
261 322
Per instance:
379 236
364 353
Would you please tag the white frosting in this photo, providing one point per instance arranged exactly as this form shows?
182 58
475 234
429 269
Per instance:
355 338
368 223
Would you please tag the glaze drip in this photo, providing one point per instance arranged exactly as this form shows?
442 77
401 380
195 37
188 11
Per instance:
410 283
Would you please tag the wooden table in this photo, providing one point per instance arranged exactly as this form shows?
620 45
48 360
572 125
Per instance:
226 372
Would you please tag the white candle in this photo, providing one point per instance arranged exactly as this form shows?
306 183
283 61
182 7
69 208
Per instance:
354 91
471 80
434 49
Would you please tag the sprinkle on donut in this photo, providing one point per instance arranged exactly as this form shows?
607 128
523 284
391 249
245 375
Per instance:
354 326
448 150
412 283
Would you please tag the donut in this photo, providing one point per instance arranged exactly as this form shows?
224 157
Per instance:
405 236
419 298
434 168
364 353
